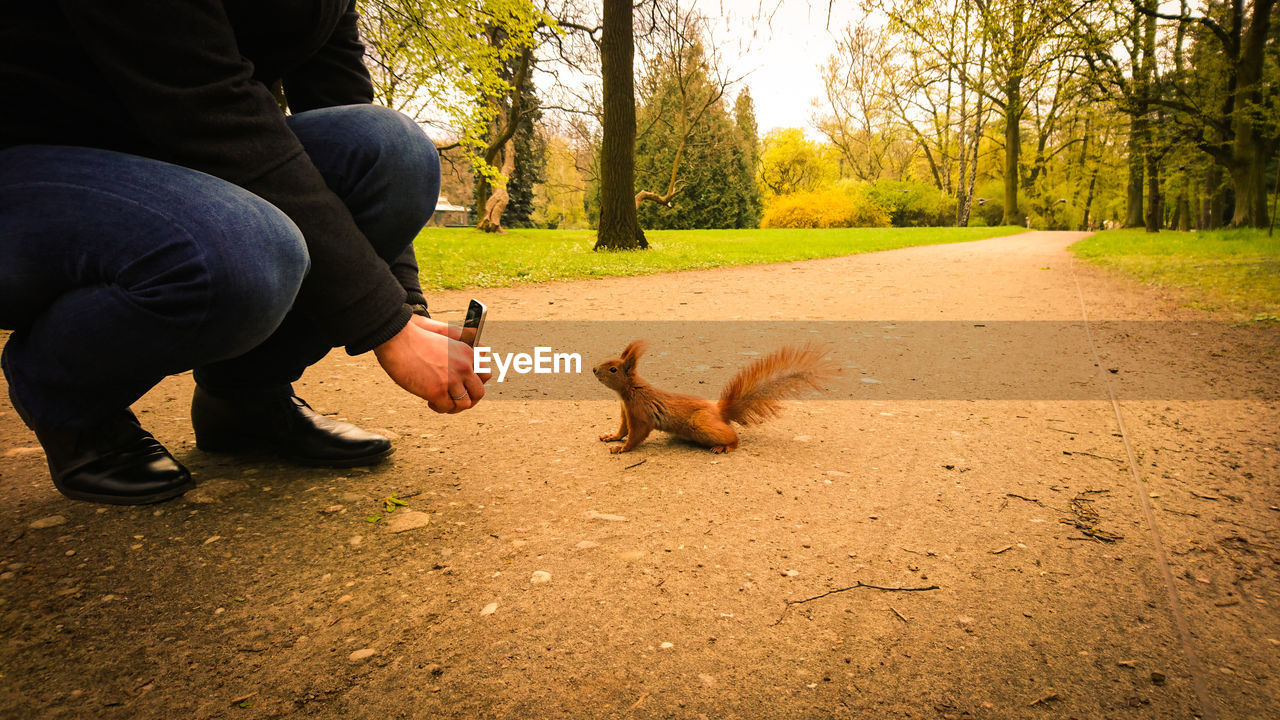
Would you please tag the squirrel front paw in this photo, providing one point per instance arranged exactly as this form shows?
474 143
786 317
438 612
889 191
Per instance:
610 438
618 449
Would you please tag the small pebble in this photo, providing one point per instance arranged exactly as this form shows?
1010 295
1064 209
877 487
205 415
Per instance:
489 609
47 522
362 654
540 576
408 520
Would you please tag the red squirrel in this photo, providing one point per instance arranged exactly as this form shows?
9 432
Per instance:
752 396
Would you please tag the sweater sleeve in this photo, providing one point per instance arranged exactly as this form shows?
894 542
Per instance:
335 74
177 69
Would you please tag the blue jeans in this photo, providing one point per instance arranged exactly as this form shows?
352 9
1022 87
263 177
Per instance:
118 270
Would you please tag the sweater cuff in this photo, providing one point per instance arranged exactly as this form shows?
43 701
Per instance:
382 333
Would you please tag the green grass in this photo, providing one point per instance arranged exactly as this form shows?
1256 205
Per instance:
452 258
1233 271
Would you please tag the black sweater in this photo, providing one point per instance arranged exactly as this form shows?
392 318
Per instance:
186 81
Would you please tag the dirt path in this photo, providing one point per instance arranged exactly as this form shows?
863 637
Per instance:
970 444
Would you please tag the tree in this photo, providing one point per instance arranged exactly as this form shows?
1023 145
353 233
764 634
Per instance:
682 88
791 163
714 188
858 97
501 144
744 116
429 58
560 197
1239 130
619 226
503 199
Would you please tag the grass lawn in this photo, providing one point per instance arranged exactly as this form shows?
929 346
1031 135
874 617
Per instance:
1237 271
452 258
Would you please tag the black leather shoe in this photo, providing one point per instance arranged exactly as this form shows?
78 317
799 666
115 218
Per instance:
116 462
285 424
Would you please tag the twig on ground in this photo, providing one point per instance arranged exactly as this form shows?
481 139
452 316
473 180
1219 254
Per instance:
637 703
1021 497
857 585
901 617
636 464
1100 457
1180 512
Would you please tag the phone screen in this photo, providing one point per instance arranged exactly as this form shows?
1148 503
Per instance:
474 323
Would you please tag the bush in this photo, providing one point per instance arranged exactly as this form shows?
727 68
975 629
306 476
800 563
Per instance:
823 209
913 204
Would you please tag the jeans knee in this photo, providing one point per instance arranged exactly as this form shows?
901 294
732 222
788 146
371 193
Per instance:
255 277
406 157
412 160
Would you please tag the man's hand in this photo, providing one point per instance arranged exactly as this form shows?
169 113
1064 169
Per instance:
435 326
426 359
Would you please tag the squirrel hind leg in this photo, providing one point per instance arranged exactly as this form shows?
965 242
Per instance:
722 449
717 435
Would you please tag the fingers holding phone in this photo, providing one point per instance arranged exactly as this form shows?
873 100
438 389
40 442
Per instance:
432 366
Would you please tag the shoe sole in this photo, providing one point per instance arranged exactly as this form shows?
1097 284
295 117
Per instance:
126 500
240 446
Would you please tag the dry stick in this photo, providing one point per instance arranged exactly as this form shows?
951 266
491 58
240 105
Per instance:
859 584
901 617
1020 497
1100 457
636 464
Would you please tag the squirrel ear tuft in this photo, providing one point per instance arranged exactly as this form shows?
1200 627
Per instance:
632 353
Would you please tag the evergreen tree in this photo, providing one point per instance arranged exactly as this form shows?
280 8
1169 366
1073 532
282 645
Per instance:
744 114
530 167
713 189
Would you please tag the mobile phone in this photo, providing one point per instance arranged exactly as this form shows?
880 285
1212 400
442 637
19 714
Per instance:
474 323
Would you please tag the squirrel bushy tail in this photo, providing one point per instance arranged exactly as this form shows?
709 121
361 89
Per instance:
756 392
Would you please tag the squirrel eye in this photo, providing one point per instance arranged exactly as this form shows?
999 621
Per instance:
613 370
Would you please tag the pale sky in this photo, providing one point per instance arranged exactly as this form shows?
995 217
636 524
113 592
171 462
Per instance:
782 58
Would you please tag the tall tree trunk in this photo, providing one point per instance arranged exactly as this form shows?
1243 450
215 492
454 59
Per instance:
496 203
1250 183
1211 204
1088 202
619 225
1012 147
1250 152
1155 208
1137 139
